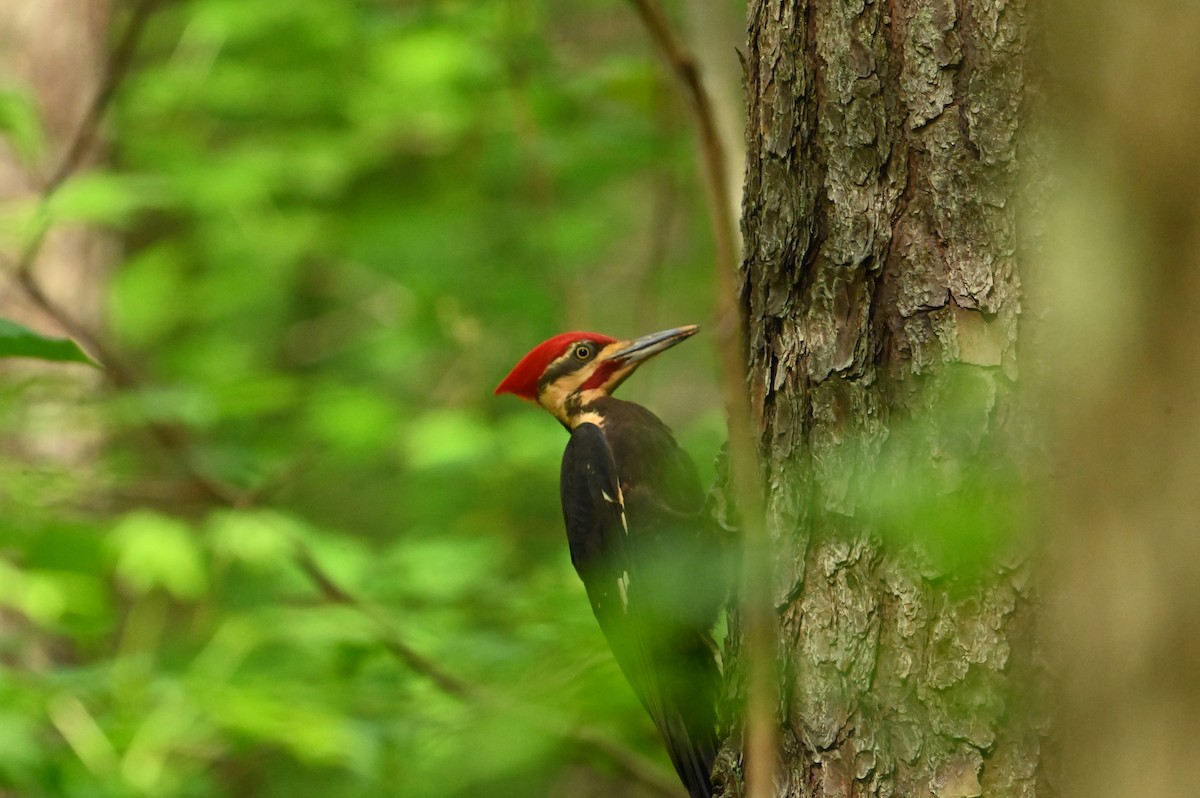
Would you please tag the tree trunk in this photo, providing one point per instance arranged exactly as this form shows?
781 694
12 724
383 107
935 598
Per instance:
882 291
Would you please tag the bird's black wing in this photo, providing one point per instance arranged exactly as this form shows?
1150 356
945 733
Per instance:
628 567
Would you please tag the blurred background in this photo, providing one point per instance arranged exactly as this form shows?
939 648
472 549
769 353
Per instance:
291 544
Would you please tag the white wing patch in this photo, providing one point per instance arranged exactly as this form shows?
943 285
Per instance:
623 588
620 502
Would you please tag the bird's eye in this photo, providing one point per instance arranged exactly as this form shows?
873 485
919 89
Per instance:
583 351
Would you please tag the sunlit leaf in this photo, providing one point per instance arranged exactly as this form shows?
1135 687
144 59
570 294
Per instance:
447 438
35 595
309 731
21 751
259 538
147 294
357 420
443 568
157 551
106 198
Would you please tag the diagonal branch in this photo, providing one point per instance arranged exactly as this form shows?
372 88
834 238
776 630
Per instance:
333 593
172 438
78 146
118 68
627 760
714 163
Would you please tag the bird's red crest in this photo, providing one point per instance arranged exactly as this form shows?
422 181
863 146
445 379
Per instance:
523 379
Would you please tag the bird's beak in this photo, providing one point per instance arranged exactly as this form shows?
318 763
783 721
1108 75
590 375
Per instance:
647 346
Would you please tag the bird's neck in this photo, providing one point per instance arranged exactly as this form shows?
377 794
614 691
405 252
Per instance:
587 407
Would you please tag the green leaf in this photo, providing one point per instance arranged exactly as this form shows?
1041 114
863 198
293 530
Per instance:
108 199
35 595
443 568
18 341
262 539
447 438
312 732
19 123
155 550
146 294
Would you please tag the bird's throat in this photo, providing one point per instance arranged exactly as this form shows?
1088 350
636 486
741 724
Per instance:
581 409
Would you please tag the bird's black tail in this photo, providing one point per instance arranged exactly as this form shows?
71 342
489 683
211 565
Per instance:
687 719
692 751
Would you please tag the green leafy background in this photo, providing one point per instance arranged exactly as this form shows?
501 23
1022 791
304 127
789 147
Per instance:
342 221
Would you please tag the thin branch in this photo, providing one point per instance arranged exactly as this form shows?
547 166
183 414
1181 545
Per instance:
172 439
274 482
77 148
633 764
118 68
714 162
757 616
332 592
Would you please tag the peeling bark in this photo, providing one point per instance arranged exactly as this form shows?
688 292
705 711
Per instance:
881 283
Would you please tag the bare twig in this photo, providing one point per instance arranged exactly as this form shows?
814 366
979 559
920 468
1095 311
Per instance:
757 617
118 68
80 142
77 148
172 439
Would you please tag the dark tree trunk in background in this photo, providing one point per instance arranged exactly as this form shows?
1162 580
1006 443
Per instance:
883 293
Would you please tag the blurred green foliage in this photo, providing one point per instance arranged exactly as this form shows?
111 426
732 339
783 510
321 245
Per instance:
342 222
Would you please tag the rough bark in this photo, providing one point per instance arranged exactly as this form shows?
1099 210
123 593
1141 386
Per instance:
882 289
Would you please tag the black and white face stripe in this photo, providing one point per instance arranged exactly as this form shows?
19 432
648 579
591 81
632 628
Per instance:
580 354
565 388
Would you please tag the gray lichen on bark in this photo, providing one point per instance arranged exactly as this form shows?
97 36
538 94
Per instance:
881 282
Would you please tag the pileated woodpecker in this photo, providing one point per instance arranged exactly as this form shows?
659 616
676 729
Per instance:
638 534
